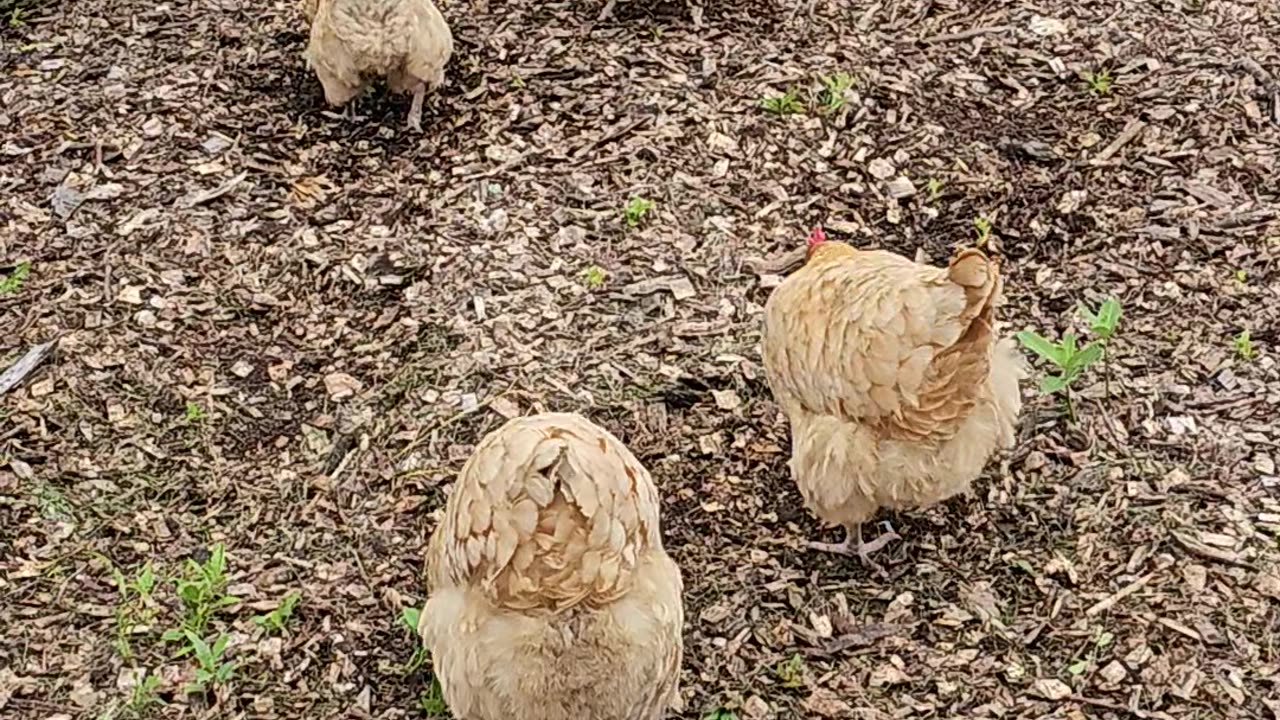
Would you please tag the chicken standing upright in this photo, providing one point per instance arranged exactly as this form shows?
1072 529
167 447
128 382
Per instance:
407 41
551 597
896 389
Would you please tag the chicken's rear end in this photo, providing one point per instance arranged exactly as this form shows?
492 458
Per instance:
352 41
551 597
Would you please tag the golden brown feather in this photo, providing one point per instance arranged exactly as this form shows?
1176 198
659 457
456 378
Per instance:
551 597
896 388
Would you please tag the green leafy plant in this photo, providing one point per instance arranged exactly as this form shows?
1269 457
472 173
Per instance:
787 103
275 620
635 210
719 713
833 92
1244 346
934 188
211 670
12 282
431 701
17 10
143 694
1070 358
202 591
1098 82
594 276
193 412
134 607
790 672
1104 322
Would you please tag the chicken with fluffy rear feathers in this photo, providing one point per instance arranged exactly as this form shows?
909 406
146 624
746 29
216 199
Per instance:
406 41
550 594
895 386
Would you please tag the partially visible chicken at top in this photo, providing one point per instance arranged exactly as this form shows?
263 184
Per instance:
896 388
406 41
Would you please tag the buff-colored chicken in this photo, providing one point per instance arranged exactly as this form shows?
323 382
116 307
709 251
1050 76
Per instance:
896 388
406 41
551 597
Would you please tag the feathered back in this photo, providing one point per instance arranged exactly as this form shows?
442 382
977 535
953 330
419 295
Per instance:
550 512
874 338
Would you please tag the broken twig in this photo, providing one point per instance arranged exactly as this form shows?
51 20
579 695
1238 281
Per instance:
18 371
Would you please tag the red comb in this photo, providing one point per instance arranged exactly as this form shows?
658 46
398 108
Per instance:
816 237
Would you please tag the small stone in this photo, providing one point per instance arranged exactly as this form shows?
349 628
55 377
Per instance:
1114 672
341 385
1071 201
145 318
1264 465
1035 460
756 708
1050 689
901 188
726 399
153 128
880 169
1195 577
241 369
131 294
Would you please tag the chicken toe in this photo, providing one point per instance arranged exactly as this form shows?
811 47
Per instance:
415 110
866 548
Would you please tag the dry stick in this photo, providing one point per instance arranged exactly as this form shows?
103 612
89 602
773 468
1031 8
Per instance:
1125 137
966 34
1124 592
21 369
1117 707
1209 553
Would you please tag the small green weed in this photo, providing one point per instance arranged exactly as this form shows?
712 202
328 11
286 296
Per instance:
143 695
934 188
275 620
1242 277
1099 82
719 713
12 282
203 593
1068 356
833 92
983 226
787 103
431 701
52 503
635 210
594 276
193 412
135 607
516 82
409 618
1244 346
17 13
212 670
790 672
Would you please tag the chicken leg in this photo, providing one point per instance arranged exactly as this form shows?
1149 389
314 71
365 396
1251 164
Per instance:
862 549
415 110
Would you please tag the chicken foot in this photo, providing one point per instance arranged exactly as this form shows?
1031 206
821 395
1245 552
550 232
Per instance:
853 543
415 110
